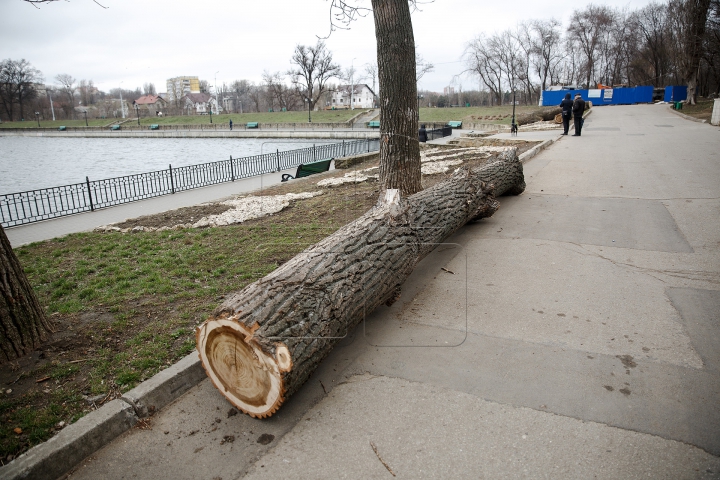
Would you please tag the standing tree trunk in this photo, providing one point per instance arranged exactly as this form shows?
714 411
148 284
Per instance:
696 16
23 325
264 341
399 146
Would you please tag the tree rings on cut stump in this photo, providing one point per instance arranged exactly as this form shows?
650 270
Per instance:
247 376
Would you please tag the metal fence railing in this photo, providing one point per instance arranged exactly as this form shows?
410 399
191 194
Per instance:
45 203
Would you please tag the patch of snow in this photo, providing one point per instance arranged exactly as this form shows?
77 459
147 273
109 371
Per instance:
352 177
441 166
247 208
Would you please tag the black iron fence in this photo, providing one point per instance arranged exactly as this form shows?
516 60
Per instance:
45 203
438 132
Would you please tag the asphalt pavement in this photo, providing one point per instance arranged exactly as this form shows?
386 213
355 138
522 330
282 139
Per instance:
574 334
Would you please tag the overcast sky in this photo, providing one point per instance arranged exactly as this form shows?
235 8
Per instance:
139 41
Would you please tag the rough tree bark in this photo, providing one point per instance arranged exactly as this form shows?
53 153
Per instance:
263 342
399 146
23 324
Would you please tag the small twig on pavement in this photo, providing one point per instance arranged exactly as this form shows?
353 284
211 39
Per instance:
321 384
446 270
381 460
40 380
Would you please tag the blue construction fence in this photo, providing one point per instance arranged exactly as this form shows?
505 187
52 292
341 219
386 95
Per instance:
676 93
598 96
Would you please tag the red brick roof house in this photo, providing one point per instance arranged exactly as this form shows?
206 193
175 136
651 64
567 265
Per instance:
151 103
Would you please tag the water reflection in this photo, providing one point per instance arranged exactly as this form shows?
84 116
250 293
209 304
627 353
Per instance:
28 163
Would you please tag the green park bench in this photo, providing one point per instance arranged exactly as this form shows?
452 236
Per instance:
374 124
307 169
454 124
115 127
62 128
252 125
154 126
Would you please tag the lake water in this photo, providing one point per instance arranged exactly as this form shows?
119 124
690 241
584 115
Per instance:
28 163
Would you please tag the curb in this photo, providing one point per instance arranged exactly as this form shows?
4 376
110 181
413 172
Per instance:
686 117
525 157
58 455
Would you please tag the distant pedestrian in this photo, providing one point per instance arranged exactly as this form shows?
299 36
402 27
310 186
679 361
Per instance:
578 109
567 106
422 134
231 124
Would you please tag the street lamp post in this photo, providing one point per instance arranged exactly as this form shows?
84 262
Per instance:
122 106
217 102
513 127
52 109
85 113
137 112
308 102
210 107
37 117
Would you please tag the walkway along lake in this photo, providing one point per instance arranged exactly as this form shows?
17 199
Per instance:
28 163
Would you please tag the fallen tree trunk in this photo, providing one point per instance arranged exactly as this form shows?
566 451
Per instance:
264 341
543 114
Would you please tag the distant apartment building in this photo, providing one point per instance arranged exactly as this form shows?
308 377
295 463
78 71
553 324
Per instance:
448 91
178 87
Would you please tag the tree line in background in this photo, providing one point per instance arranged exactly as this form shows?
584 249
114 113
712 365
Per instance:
673 43
661 44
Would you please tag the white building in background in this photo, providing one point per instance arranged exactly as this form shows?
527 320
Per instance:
362 97
178 87
200 103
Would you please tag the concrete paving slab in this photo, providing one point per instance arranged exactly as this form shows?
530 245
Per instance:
613 222
700 311
421 431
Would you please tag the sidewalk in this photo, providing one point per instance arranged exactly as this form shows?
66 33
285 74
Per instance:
573 334
58 227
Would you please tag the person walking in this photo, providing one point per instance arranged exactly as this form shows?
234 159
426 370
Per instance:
578 109
567 106
231 124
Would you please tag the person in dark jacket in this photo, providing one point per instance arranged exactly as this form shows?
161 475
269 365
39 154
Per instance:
566 105
422 134
578 109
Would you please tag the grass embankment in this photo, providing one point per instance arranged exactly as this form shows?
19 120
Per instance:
125 305
325 116
500 115
702 109
92 122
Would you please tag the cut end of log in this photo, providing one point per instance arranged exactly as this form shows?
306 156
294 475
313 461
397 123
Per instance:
248 377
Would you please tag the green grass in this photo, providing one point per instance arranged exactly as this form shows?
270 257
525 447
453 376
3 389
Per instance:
702 109
132 302
92 122
466 114
324 116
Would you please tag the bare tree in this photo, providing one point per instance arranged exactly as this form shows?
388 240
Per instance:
483 61
544 37
149 89
67 86
314 66
17 85
588 28
278 93
422 66
689 18
86 90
